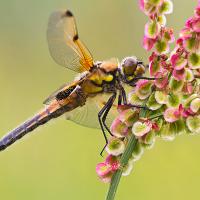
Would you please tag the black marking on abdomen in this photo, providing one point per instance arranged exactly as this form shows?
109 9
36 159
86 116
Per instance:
65 93
29 126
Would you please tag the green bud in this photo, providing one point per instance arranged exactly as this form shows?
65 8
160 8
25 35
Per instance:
193 124
152 103
127 169
166 133
173 100
161 97
137 152
115 147
176 86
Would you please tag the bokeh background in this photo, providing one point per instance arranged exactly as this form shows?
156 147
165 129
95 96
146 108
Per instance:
58 160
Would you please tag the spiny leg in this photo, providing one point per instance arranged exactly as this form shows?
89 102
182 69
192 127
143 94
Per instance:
144 78
110 100
123 92
110 103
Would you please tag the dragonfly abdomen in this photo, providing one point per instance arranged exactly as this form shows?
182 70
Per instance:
54 110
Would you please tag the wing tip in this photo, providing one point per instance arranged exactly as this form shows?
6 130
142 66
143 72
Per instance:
68 13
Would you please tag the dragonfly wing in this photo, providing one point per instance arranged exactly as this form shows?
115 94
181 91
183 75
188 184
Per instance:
53 95
64 44
87 115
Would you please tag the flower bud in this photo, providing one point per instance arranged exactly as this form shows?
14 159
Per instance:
127 169
141 128
115 146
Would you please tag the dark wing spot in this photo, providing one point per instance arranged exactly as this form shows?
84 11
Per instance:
75 37
69 13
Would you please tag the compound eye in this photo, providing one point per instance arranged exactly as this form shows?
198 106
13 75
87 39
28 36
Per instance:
129 65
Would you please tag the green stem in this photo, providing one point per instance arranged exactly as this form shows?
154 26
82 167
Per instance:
124 160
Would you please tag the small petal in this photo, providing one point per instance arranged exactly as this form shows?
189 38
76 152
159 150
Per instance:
115 147
169 35
139 129
141 4
137 152
193 124
113 162
162 47
176 86
179 74
166 7
119 129
161 97
185 33
173 100
170 115
191 44
127 169
128 117
195 105
152 29
196 25
194 61
166 134
154 67
102 169
162 20
134 99
189 76
178 62
148 43
152 103
161 80
143 89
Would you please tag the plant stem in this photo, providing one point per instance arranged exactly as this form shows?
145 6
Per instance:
124 160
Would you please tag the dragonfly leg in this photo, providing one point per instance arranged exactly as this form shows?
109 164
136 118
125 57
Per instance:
110 103
123 92
120 99
138 106
107 106
144 78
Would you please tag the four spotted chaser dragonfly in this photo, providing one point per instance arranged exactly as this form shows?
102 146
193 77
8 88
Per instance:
89 99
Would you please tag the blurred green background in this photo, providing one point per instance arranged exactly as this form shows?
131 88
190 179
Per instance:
58 160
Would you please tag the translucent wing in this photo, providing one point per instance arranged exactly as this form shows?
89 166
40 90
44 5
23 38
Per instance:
87 115
53 95
64 44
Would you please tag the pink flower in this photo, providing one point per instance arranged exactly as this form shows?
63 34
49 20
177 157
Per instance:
187 88
113 162
154 67
179 74
171 115
178 62
196 24
197 11
152 29
103 169
148 43
143 88
118 128
161 79
185 33
141 4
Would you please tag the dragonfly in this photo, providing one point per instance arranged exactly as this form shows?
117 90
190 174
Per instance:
89 99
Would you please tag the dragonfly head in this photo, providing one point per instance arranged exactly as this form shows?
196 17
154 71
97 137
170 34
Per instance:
130 68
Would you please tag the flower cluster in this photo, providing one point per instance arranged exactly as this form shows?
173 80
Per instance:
156 34
170 104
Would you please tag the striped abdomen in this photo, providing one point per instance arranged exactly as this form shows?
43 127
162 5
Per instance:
54 110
